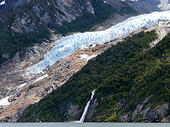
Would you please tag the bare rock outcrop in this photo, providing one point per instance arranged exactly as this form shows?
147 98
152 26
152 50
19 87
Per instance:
147 113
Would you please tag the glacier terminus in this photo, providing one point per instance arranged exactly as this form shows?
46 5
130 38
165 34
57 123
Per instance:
68 45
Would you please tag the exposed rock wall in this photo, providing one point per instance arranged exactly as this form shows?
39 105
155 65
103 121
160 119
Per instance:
63 10
147 114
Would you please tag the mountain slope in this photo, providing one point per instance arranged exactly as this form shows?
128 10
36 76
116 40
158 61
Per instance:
125 77
33 22
20 88
27 22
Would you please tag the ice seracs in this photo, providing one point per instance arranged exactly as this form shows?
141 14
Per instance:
68 45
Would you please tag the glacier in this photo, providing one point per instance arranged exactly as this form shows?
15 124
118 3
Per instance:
68 45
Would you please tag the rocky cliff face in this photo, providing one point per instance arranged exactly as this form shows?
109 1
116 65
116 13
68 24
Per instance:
146 6
158 114
40 12
140 114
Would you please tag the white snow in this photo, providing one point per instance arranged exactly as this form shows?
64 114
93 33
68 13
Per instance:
4 101
22 85
2 3
85 56
40 78
68 45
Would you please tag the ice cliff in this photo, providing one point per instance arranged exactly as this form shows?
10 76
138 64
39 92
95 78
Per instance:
68 45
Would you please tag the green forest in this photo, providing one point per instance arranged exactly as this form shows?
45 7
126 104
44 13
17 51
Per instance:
127 72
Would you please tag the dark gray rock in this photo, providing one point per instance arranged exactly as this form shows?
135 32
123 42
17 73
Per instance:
20 3
125 118
73 111
144 6
23 24
157 114
153 115
36 10
91 110
162 110
137 110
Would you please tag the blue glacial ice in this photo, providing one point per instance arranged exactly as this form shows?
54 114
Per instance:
68 45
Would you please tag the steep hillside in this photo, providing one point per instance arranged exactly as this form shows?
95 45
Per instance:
30 76
26 22
131 82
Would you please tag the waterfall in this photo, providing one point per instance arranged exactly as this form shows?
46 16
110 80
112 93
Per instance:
87 106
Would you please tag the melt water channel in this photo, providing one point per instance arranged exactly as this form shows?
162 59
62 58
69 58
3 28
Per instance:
85 124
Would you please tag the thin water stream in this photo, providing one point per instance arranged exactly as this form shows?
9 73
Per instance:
87 106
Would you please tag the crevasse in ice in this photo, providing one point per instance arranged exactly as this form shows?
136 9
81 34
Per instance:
68 45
